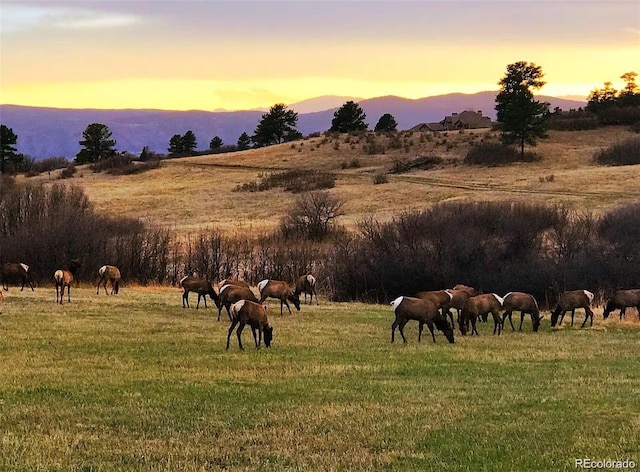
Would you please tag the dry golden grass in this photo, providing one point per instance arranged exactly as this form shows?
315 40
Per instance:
197 192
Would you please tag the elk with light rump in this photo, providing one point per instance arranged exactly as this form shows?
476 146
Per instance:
422 311
15 270
622 300
237 282
481 305
202 287
255 315
524 303
63 278
230 294
108 273
440 298
280 290
570 301
307 284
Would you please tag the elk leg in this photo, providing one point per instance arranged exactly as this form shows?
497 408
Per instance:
255 339
185 298
239 333
448 312
231 328
433 335
573 312
522 313
401 329
473 326
622 312
394 325
504 317
420 328
198 304
288 307
68 292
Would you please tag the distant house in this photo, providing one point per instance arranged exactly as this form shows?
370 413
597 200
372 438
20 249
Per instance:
428 127
465 120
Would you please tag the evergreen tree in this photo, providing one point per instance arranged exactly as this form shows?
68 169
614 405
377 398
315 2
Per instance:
276 126
523 118
97 144
189 144
244 142
349 117
216 143
8 151
175 145
386 123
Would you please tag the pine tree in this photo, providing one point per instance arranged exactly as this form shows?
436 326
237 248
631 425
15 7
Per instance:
349 117
97 144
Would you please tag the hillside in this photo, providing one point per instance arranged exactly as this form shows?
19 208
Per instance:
198 192
46 132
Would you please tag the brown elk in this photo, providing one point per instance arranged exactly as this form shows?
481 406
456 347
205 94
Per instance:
255 315
230 294
108 273
524 303
458 300
237 282
280 290
202 287
470 290
622 300
481 305
15 271
307 284
571 301
422 311
440 298
63 278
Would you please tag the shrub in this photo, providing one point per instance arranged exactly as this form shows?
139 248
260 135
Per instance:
419 163
68 171
496 154
380 178
620 154
312 216
295 181
47 165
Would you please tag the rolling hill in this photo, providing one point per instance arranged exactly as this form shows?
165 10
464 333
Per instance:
47 132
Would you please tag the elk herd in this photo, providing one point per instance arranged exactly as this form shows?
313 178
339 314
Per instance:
432 308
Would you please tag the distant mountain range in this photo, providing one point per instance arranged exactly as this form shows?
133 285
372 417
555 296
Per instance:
47 132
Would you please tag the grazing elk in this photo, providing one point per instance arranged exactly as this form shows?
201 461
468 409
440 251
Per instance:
230 294
15 271
481 305
280 290
63 278
202 287
108 273
422 311
237 282
622 300
440 298
255 315
570 301
307 284
524 303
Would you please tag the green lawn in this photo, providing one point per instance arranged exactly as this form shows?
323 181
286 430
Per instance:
135 382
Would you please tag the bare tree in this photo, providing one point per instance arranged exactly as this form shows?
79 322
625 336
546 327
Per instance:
313 215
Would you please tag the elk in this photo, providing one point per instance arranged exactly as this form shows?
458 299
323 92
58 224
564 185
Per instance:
422 311
570 301
237 282
622 300
458 300
108 273
63 278
524 303
280 290
307 284
14 271
254 314
230 294
440 298
470 290
202 287
481 305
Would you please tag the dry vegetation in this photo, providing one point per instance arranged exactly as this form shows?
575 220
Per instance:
197 192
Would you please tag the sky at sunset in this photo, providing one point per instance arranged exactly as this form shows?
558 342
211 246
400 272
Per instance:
240 55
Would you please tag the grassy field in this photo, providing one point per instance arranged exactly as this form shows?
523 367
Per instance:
198 192
135 382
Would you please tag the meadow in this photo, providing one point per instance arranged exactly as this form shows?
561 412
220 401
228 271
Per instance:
135 382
